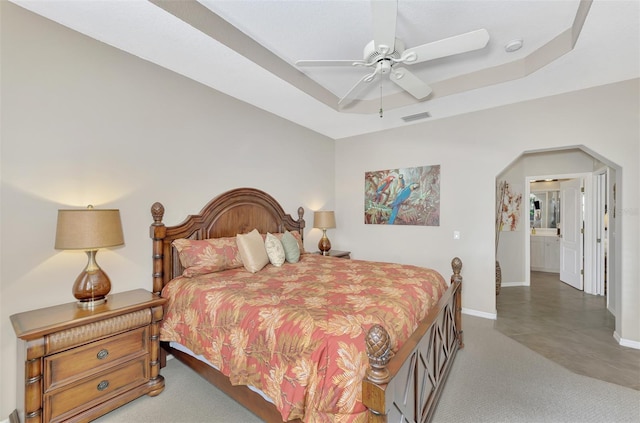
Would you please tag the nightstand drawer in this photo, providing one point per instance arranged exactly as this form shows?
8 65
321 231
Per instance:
64 403
77 363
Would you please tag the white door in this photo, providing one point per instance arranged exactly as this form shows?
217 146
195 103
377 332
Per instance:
571 233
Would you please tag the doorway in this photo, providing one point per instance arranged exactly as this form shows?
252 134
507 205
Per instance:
514 253
556 220
561 239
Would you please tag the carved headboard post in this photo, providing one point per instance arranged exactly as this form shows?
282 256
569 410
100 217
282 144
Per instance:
301 223
157 232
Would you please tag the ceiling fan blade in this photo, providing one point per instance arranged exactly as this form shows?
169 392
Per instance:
385 13
358 88
330 63
410 83
463 43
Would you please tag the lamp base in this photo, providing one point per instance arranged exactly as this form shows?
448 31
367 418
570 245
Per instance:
324 245
91 303
92 285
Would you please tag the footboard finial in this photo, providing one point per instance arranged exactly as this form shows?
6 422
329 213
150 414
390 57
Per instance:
456 265
379 353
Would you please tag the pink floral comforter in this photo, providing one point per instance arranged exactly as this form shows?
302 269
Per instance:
296 332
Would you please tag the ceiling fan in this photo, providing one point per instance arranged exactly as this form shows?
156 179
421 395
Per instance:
385 53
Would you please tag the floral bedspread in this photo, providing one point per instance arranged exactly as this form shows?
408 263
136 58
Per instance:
296 332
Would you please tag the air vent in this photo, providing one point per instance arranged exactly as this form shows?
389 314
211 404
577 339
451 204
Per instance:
417 116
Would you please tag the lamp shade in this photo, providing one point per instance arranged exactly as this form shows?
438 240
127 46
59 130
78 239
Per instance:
324 219
88 229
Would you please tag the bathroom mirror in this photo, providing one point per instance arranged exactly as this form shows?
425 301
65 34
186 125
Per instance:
544 209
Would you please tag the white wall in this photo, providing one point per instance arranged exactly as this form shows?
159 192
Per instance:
466 203
85 123
472 150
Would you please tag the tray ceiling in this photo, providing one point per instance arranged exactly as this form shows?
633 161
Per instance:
248 49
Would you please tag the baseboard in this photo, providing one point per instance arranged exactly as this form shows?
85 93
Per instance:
483 314
626 342
508 284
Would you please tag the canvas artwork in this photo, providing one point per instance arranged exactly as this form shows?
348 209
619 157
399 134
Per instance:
406 196
510 207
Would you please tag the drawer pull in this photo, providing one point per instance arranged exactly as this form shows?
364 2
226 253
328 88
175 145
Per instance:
103 385
102 354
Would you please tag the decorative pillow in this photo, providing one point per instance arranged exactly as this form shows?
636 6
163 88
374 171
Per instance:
275 251
298 238
291 247
208 255
252 250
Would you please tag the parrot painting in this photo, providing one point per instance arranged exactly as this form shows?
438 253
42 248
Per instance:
383 186
402 196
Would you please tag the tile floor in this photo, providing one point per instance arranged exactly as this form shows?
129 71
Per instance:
567 326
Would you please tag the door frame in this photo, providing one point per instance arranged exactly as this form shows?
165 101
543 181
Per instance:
588 236
601 182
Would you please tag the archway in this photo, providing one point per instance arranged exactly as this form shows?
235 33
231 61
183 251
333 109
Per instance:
513 250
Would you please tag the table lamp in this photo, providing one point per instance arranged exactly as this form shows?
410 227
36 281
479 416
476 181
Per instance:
89 230
323 219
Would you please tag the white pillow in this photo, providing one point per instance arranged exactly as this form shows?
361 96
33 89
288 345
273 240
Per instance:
274 248
251 247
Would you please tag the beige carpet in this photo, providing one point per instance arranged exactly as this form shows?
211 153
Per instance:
494 379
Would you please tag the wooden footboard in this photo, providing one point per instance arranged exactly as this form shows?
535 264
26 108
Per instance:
407 386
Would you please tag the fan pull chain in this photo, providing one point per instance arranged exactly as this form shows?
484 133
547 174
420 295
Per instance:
380 101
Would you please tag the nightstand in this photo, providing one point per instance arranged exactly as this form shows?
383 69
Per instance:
76 364
337 253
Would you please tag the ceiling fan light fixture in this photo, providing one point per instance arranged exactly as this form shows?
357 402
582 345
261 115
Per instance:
385 67
513 45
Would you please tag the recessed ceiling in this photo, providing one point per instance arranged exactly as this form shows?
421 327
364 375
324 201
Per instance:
341 29
248 49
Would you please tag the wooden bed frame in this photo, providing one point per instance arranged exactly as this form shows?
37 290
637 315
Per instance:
404 387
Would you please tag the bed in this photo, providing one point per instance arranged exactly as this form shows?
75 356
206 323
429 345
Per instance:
395 371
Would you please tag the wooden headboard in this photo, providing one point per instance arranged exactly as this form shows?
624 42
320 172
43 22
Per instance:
235 212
